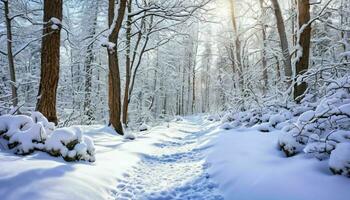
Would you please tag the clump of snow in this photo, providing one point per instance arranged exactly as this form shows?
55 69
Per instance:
129 135
143 127
306 116
226 126
339 162
178 118
213 118
40 118
276 119
55 23
10 124
110 45
290 145
264 127
25 142
70 144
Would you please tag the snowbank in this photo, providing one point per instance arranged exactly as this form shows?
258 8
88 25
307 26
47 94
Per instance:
247 165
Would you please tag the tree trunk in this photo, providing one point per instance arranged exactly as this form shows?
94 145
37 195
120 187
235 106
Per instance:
193 89
189 80
90 58
114 93
127 66
10 56
238 47
50 60
283 40
264 62
304 41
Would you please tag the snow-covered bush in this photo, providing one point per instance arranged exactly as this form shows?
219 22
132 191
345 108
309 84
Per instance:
25 142
339 162
264 127
70 144
322 123
24 135
291 145
10 124
40 118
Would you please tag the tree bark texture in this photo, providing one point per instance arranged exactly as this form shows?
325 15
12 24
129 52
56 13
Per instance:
50 60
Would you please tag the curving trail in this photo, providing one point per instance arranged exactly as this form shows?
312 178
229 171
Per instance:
177 169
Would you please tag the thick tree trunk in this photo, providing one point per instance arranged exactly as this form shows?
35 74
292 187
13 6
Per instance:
50 60
303 63
10 56
127 66
264 62
114 93
283 40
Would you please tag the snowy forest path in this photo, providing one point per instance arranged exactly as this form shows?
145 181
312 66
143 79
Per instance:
176 170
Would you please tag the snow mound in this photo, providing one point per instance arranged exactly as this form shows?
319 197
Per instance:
129 136
40 118
276 119
25 142
10 124
213 118
339 162
178 118
143 127
226 126
264 127
290 145
70 144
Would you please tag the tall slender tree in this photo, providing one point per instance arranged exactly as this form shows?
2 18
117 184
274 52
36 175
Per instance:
237 45
283 40
127 64
89 62
50 59
263 53
10 56
115 20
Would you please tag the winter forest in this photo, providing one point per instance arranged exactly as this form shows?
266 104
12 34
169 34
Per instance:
175 99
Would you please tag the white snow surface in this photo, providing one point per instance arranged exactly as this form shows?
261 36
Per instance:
189 159
248 166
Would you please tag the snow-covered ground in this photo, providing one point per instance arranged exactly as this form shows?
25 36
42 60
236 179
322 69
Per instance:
248 166
189 159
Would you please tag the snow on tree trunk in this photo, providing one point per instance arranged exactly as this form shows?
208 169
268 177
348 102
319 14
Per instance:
50 59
